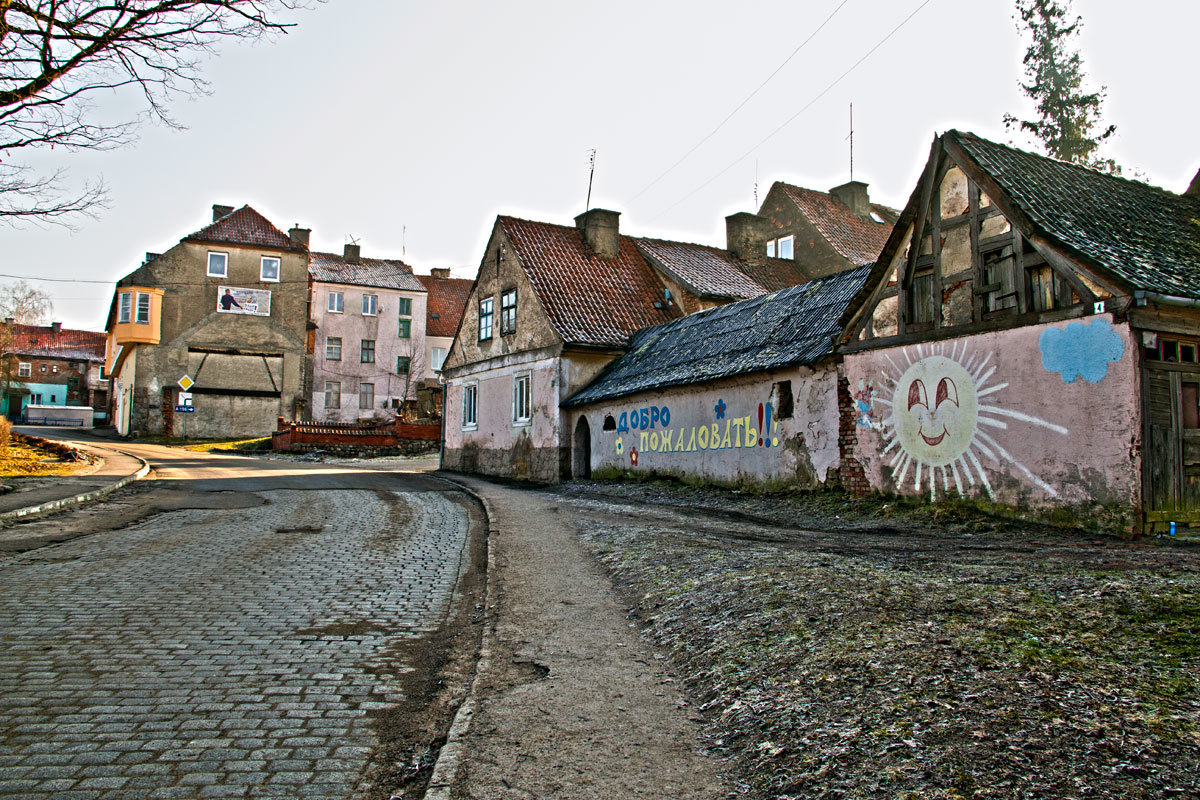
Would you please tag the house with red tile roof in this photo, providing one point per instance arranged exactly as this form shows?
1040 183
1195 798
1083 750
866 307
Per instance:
48 365
225 311
369 351
823 232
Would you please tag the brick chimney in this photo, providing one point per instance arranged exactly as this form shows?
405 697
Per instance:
854 195
150 257
299 236
601 231
441 273
350 254
56 327
746 236
1193 189
221 211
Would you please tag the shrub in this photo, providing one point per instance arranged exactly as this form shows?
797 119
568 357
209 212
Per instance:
5 432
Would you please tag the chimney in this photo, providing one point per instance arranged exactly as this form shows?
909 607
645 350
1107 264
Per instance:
351 254
299 236
854 195
601 231
1193 189
56 327
150 257
441 273
746 236
221 211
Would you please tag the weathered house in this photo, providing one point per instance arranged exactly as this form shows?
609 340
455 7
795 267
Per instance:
1031 334
48 365
446 300
823 232
369 351
746 392
227 307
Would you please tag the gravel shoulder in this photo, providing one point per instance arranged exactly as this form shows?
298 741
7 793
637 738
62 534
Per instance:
844 649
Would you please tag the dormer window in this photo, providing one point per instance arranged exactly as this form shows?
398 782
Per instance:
783 247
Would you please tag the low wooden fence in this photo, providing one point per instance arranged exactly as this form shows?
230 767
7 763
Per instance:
388 436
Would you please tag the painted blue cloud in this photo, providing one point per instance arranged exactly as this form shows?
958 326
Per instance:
1081 350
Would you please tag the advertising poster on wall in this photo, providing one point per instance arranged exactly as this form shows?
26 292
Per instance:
235 300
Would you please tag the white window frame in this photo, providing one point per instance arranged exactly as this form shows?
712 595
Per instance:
142 297
125 307
366 397
333 344
790 241
333 389
522 402
470 406
262 269
490 316
24 369
335 302
437 357
224 259
370 305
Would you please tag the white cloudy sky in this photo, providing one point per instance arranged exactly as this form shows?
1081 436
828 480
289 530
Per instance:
376 116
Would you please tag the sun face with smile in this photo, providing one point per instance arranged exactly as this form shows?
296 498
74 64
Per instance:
935 409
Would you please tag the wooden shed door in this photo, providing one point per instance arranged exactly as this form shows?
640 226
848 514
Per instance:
1172 408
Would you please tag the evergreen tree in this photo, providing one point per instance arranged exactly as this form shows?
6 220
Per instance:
1068 119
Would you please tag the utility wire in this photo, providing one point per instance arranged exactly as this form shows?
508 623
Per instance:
749 97
792 118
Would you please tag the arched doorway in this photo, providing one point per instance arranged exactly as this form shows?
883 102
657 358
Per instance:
581 452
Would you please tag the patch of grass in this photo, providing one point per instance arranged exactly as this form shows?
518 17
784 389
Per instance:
24 459
243 445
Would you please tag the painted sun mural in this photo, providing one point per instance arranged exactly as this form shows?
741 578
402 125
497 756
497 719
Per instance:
945 416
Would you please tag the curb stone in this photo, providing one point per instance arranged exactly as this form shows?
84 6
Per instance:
450 757
79 499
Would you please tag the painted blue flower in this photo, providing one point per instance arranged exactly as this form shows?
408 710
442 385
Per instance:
720 409
1081 350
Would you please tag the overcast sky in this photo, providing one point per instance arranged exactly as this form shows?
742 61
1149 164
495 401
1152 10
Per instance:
413 124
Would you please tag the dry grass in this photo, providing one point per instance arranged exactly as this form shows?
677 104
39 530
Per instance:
23 458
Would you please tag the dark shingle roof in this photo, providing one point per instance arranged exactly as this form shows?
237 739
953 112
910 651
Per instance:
854 238
589 300
244 226
379 273
706 271
447 299
1144 235
792 326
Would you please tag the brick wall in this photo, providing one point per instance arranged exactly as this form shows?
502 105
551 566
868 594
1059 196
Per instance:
851 473
397 436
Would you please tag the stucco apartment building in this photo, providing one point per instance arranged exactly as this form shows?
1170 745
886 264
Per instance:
48 365
370 353
227 307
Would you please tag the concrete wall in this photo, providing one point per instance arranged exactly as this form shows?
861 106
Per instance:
352 326
496 445
730 431
1038 416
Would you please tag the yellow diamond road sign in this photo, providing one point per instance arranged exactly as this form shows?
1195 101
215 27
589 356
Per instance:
186 383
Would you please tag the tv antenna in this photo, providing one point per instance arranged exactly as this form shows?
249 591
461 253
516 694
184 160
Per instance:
851 138
403 241
756 185
591 175
352 239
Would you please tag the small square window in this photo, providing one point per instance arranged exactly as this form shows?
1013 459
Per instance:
785 247
335 302
403 364
405 328
485 319
508 312
366 353
270 269
54 368
218 265
370 305
333 394
333 348
125 307
404 306
24 369
470 405
366 395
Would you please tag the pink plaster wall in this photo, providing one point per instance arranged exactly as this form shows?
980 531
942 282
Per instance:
800 450
495 428
1042 415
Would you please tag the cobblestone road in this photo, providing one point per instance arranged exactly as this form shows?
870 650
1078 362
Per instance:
231 653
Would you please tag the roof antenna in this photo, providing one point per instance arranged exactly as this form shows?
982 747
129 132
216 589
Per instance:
352 239
403 241
851 138
591 174
756 185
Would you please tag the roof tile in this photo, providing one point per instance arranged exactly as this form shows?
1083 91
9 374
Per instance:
854 238
447 299
707 271
244 226
379 273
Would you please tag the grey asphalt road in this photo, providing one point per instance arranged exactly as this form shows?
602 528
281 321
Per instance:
247 636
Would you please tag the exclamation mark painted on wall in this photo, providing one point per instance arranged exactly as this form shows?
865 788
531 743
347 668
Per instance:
760 427
767 428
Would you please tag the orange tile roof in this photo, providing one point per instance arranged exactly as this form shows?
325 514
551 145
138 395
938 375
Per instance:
589 300
447 300
244 226
704 270
854 238
44 341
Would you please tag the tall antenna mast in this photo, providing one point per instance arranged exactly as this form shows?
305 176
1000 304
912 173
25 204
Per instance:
591 174
756 185
851 138
403 241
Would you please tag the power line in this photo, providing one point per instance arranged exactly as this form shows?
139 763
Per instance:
792 118
749 97
55 280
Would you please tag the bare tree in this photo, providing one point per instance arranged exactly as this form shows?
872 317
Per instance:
409 372
20 304
57 57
